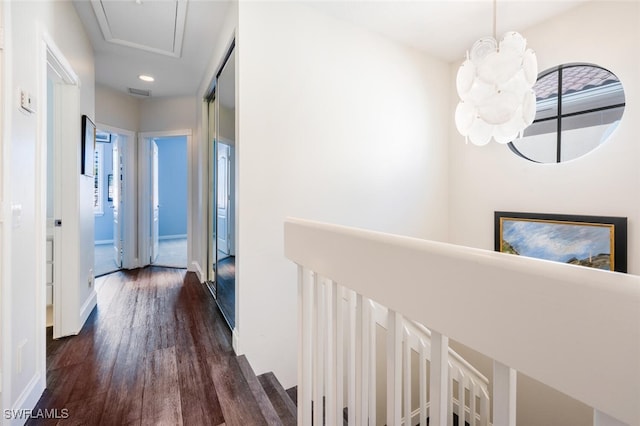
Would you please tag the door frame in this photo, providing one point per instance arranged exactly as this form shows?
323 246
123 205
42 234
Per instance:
128 149
5 229
66 97
144 193
230 198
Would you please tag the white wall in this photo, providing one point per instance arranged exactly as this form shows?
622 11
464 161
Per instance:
604 182
335 124
165 114
117 109
21 314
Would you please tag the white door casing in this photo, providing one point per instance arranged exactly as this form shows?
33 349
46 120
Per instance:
118 179
155 204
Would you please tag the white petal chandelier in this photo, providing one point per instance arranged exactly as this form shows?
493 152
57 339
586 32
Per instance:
495 88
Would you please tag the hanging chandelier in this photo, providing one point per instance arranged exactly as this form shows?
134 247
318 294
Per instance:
495 88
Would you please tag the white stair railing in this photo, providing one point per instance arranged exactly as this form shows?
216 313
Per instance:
578 314
463 377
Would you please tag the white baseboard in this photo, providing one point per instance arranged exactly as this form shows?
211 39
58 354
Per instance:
87 307
235 340
173 237
195 267
27 399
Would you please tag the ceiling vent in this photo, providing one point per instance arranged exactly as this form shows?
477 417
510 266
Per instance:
120 22
140 92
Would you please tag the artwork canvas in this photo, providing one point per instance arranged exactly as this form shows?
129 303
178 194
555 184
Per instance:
592 241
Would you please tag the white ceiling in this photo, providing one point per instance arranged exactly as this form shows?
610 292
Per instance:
443 28
150 32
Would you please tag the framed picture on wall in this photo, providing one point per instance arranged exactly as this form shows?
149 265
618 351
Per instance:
88 147
593 241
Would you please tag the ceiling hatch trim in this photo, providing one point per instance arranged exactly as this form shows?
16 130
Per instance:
123 23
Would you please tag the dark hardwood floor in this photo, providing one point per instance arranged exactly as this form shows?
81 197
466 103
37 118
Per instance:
155 351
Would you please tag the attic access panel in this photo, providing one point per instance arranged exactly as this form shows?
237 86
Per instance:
153 26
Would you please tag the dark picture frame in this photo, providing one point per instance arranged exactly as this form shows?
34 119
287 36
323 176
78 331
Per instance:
88 147
592 241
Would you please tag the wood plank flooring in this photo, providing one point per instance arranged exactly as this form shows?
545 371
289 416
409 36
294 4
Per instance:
155 351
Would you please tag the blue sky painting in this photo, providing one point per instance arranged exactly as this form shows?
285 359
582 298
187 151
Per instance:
556 241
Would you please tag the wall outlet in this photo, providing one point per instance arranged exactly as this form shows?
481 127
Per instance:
91 278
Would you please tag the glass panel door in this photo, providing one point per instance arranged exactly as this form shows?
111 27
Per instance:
225 192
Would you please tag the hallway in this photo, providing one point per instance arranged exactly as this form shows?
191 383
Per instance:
155 351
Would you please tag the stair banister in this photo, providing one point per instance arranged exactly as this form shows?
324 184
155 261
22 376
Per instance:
588 319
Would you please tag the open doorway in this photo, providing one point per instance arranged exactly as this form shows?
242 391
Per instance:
170 201
164 198
61 92
108 204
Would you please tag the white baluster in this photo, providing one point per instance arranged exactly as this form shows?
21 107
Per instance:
504 395
351 360
329 357
484 409
473 393
372 365
406 356
394 368
318 352
422 372
305 349
450 397
461 397
439 382
365 351
339 310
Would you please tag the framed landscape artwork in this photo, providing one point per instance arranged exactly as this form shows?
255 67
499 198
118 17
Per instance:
593 241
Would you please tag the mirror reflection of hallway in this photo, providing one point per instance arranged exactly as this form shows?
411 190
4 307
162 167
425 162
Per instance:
225 214
222 190
169 210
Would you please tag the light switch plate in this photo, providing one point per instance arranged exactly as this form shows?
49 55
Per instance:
26 101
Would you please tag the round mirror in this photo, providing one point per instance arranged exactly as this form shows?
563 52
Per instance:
577 107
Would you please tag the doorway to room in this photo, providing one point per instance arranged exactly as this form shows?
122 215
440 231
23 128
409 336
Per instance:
169 205
107 205
164 198
112 200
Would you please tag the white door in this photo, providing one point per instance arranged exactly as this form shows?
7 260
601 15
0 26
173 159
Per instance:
223 163
117 185
155 202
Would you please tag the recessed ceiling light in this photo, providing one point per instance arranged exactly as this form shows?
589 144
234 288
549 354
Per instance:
144 77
